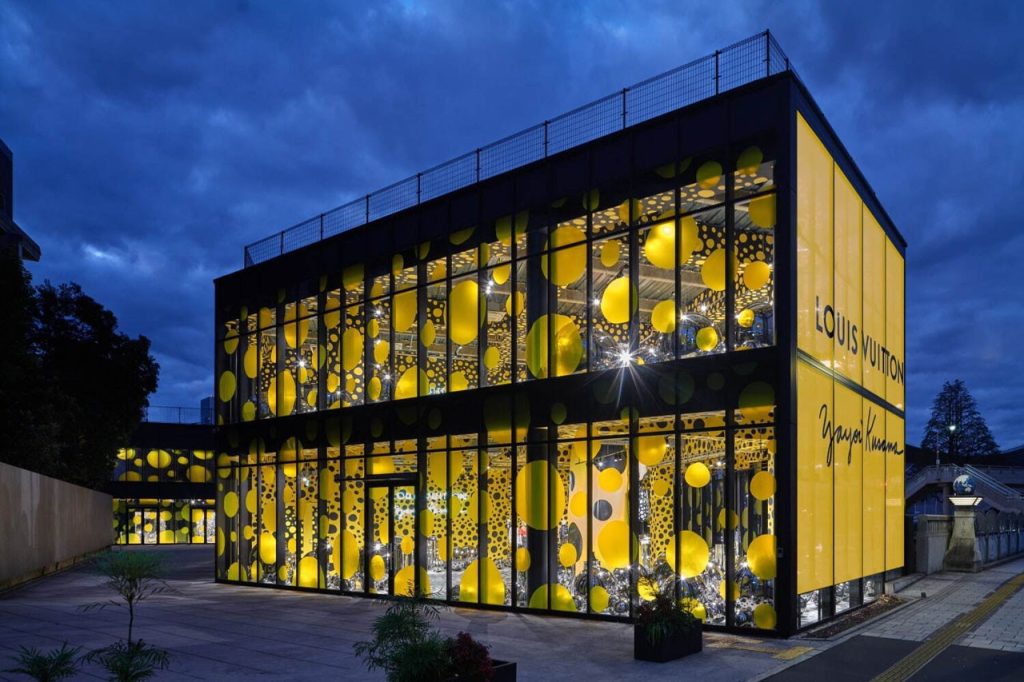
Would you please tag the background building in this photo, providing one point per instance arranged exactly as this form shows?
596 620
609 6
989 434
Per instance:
163 484
12 237
653 344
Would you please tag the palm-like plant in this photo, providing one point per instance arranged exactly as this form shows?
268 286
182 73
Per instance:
59 664
135 576
130 661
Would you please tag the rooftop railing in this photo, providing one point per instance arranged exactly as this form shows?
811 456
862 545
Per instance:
754 58
168 414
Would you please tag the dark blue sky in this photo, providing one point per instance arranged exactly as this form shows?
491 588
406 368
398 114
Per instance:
154 140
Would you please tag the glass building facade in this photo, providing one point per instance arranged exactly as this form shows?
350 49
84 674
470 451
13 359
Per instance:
163 486
561 389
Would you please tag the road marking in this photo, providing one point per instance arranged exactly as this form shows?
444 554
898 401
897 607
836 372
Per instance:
781 654
913 662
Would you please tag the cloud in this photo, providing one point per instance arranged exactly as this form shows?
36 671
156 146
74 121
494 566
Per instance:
154 140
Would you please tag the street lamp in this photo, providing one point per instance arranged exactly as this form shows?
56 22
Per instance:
952 437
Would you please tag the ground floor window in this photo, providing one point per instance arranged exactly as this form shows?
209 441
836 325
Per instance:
164 522
591 518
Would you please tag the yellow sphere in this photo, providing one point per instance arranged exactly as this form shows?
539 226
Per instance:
707 338
568 346
199 474
309 572
709 174
761 556
567 554
762 485
762 211
516 300
712 273
598 599
561 598
660 487
660 244
458 381
613 545
268 548
697 475
428 334
756 274
663 317
463 310
226 386
345 555
609 480
695 607
490 580
377 568
404 312
749 161
381 348
651 450
765 616
351 349
522 559
615 303
406 386
610 253
231 341
491 357
533 496
693 556
746 318
407 545
567 264
405 582
230 504
352 277
158 459
373 389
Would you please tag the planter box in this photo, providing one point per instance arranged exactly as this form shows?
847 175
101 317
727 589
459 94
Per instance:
670 648
504 671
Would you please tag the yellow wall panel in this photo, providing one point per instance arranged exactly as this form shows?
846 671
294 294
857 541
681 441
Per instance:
848 312
814 240
814 481
848 447
873 332
874 491
894 500
894 369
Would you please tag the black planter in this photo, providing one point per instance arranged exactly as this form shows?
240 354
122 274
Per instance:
504 671
676 645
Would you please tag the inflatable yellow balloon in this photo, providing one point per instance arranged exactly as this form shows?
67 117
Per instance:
663 317
404 312
651 450
568 346
709 174
463 308
610 253
762 211
746 318
615 303
489 579
613 545
352 277
351 349
407 384
707 339
693 556
761 556
762 485
749 161
659 248
491 357
697 475
756 274
428 334
567 264
533 496
226 386
268 548
712 273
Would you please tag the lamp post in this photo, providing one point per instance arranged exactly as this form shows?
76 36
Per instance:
952 438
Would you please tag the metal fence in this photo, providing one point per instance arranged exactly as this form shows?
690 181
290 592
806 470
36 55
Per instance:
177 415
756 57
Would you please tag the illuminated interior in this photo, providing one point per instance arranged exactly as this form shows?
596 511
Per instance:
564 390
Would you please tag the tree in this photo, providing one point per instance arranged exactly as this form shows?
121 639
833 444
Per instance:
72 387
956 429
26 404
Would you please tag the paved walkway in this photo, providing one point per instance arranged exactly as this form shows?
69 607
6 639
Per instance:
950 595
960 629
226 632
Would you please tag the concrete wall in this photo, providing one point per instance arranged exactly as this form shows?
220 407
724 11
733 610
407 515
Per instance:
997 536
46 524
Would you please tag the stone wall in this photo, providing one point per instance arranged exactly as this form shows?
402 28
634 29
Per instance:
46 524
997 536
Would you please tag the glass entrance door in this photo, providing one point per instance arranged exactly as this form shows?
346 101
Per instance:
390 539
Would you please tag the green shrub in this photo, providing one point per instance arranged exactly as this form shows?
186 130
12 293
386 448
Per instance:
58 664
